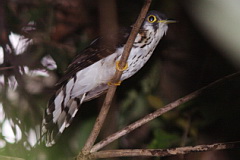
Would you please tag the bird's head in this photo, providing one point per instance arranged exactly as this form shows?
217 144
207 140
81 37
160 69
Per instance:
156 20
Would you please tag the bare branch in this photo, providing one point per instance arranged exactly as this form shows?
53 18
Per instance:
164 152
6 68
156 114
111 91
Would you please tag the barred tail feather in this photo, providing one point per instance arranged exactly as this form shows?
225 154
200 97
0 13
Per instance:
61 110
55 121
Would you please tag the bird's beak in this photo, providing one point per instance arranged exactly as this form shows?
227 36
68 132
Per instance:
167 21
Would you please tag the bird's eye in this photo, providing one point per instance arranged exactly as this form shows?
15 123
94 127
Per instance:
152 18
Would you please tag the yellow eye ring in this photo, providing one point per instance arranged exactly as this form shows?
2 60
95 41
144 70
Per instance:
151 18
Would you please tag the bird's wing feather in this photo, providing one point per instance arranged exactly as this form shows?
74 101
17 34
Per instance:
93 53
64 104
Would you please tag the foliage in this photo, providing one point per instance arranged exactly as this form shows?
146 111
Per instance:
184 61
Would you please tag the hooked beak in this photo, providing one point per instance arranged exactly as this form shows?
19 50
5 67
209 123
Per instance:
167 21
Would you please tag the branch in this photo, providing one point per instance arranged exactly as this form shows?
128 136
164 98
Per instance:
6 68
111 91
164 152
156 114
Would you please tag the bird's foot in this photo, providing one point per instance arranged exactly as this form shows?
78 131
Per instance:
121 69
115 84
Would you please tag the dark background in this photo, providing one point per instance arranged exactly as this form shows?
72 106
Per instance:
186 59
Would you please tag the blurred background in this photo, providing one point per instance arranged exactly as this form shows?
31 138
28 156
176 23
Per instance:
38 39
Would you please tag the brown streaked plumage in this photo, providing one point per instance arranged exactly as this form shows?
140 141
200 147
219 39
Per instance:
87 76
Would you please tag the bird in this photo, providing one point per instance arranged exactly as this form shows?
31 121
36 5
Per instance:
90 73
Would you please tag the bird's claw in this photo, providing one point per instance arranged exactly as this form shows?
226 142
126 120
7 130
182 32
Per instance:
115 84
121 69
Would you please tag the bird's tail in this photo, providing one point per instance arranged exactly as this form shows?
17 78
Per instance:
57 118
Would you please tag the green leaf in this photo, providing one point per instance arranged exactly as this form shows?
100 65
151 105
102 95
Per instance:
163 139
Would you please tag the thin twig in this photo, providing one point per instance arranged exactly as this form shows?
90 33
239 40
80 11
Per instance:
156 114
111 91
164 152
6 68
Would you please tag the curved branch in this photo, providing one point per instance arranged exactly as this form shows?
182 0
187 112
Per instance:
164 152
111 91
156 114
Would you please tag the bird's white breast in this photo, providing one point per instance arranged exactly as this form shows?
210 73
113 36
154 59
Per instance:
102 71
139 56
